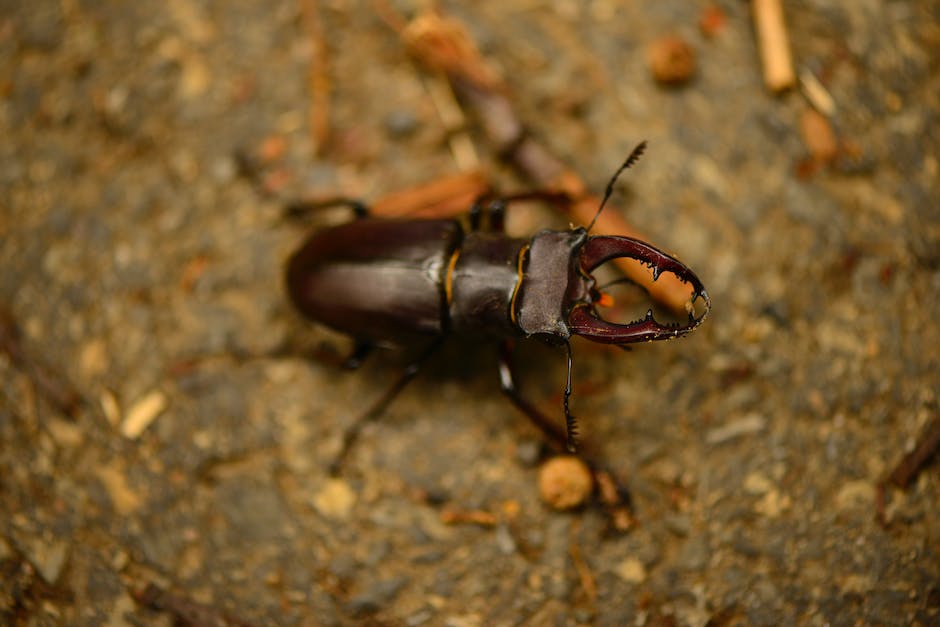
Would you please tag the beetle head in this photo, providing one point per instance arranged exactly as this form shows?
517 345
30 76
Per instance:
558 295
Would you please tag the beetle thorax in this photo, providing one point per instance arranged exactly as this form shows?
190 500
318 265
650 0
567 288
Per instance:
481 281
551 284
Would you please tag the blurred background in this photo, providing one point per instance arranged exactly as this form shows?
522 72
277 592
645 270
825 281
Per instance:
147 151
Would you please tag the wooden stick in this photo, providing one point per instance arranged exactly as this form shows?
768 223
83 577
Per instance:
912 463
817 94
452 117
909 467
774 47
318 76
443 45
446 196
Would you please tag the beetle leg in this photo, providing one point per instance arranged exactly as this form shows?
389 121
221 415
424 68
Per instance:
507 382
300 209
497 216
564 440
476 214
494 215
352 434
614 497
361 350
496 209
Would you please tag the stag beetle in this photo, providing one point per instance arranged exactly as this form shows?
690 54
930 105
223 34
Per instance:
403 282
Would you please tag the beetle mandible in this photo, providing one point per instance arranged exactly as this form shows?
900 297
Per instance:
404 282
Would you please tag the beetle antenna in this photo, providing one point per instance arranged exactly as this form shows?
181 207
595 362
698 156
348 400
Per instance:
633 158
571 423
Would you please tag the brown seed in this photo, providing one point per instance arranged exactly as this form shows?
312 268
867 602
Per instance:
671 60
565 482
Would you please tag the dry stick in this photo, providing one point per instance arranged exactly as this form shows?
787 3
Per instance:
445 196
586 577
452 117
817 94
443 45
913 462
318 76
774 47
456 516
910 466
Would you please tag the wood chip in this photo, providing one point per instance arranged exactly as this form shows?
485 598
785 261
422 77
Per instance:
752 423
818 136
142 413
124 499
110 407
456 516
445 196
774 45
816 93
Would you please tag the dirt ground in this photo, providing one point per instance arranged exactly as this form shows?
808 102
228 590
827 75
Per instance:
139 265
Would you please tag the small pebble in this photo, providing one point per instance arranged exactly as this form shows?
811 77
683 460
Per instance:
504 540
671 60
48 558
376 596
401 123
678 524
856 494
419 618
693 555
93 359
335 499
565 482
528 451
631 570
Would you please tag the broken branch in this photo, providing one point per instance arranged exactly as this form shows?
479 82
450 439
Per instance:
442 44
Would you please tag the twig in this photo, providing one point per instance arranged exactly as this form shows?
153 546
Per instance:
773 43
443 197
588 583
451 115
318 76
910 465
913 462
442 44
455 516
817 94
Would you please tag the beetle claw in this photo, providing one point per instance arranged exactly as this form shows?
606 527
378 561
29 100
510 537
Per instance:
583 319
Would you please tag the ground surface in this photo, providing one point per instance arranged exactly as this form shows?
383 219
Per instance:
129 247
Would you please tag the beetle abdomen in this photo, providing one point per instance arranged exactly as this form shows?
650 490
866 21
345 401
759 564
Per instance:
376 279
